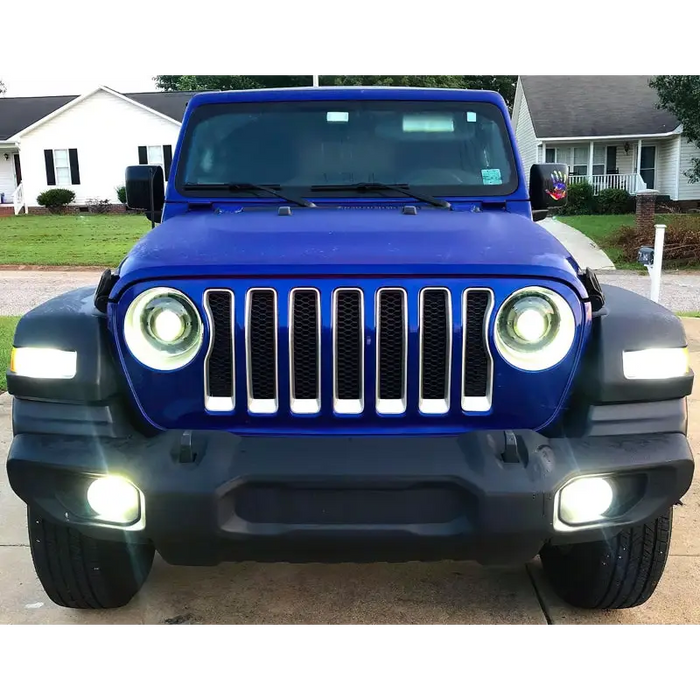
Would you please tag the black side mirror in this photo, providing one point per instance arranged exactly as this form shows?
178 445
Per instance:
145 189
549 184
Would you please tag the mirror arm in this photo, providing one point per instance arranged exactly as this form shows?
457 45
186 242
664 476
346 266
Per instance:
153 200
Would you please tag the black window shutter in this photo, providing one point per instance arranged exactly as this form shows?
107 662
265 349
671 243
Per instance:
50 172
143 155
74 169
167 160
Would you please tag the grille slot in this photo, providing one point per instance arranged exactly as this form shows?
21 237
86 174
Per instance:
348 351
477 363
261 350
392 348
219 388
305 351
435 350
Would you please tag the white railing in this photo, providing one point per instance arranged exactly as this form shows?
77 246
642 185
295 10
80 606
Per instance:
631 182
18 199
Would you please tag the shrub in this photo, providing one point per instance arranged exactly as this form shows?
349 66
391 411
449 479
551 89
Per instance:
121 194
614 201
681 242
579 199
98 206
55 199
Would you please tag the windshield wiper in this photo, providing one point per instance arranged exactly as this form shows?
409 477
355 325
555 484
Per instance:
238 186
379 186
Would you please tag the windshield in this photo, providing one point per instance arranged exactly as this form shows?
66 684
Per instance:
443 148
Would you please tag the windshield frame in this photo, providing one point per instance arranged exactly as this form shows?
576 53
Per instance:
458 191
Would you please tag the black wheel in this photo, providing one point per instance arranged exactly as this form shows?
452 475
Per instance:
621 572
81 572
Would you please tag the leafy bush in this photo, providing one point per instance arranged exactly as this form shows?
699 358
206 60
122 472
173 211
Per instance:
579 199
681 242
98 206
614 201
55 199
121 194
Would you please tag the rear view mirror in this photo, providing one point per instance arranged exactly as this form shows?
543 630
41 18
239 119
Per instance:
145 189
549 184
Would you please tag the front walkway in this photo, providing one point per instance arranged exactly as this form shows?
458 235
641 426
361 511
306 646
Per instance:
584 250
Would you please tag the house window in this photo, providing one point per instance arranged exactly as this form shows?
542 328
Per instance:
580 161
61 165
550 155
155 155
599 160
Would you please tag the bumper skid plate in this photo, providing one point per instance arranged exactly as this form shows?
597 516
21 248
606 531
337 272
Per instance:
214 496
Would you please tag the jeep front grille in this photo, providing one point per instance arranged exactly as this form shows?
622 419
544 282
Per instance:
343 339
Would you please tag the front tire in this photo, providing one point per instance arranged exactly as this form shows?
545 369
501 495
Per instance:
77 571
620 572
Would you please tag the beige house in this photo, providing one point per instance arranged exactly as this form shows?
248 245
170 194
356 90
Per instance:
608 130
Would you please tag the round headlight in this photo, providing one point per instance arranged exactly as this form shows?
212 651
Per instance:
535 328
163 329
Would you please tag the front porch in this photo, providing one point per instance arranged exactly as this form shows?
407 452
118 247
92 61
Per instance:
617 163
11 188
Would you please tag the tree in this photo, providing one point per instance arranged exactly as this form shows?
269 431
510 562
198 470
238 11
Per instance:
680 95
505 84
2 88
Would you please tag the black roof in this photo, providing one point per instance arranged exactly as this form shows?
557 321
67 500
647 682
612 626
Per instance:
594 105
17 113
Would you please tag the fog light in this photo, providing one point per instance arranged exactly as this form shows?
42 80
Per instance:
114 499
585 500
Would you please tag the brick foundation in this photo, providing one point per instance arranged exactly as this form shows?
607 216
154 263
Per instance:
75 209
645 212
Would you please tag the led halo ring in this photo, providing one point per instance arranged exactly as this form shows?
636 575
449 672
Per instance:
549 353
140 333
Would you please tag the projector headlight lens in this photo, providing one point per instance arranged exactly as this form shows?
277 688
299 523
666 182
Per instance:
535 328
163 329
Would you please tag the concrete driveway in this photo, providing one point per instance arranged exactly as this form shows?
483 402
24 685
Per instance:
450 592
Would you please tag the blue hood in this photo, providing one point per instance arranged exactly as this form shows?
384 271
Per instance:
337 242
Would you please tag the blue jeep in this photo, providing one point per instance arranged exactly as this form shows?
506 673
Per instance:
348 340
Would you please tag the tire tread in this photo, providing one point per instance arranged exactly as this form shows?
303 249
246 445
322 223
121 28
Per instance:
78 571
621 572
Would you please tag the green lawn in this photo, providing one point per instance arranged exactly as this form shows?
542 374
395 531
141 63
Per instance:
7 332
88 239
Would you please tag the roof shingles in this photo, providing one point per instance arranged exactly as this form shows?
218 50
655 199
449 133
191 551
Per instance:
17 113
594 105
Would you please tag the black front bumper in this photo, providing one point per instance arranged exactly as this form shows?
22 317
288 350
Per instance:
381 498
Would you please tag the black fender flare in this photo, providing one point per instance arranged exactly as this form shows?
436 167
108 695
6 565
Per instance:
69 322
632 322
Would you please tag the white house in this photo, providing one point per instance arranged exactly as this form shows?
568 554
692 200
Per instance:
83 143
607 129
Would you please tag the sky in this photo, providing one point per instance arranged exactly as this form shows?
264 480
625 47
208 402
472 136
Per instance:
20 84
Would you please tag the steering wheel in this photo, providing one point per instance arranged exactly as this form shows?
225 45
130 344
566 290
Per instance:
433 176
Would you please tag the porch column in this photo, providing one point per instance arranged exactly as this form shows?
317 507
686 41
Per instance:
544 152
639 159
590 162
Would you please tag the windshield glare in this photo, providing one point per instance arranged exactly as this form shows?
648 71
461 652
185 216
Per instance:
448 148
